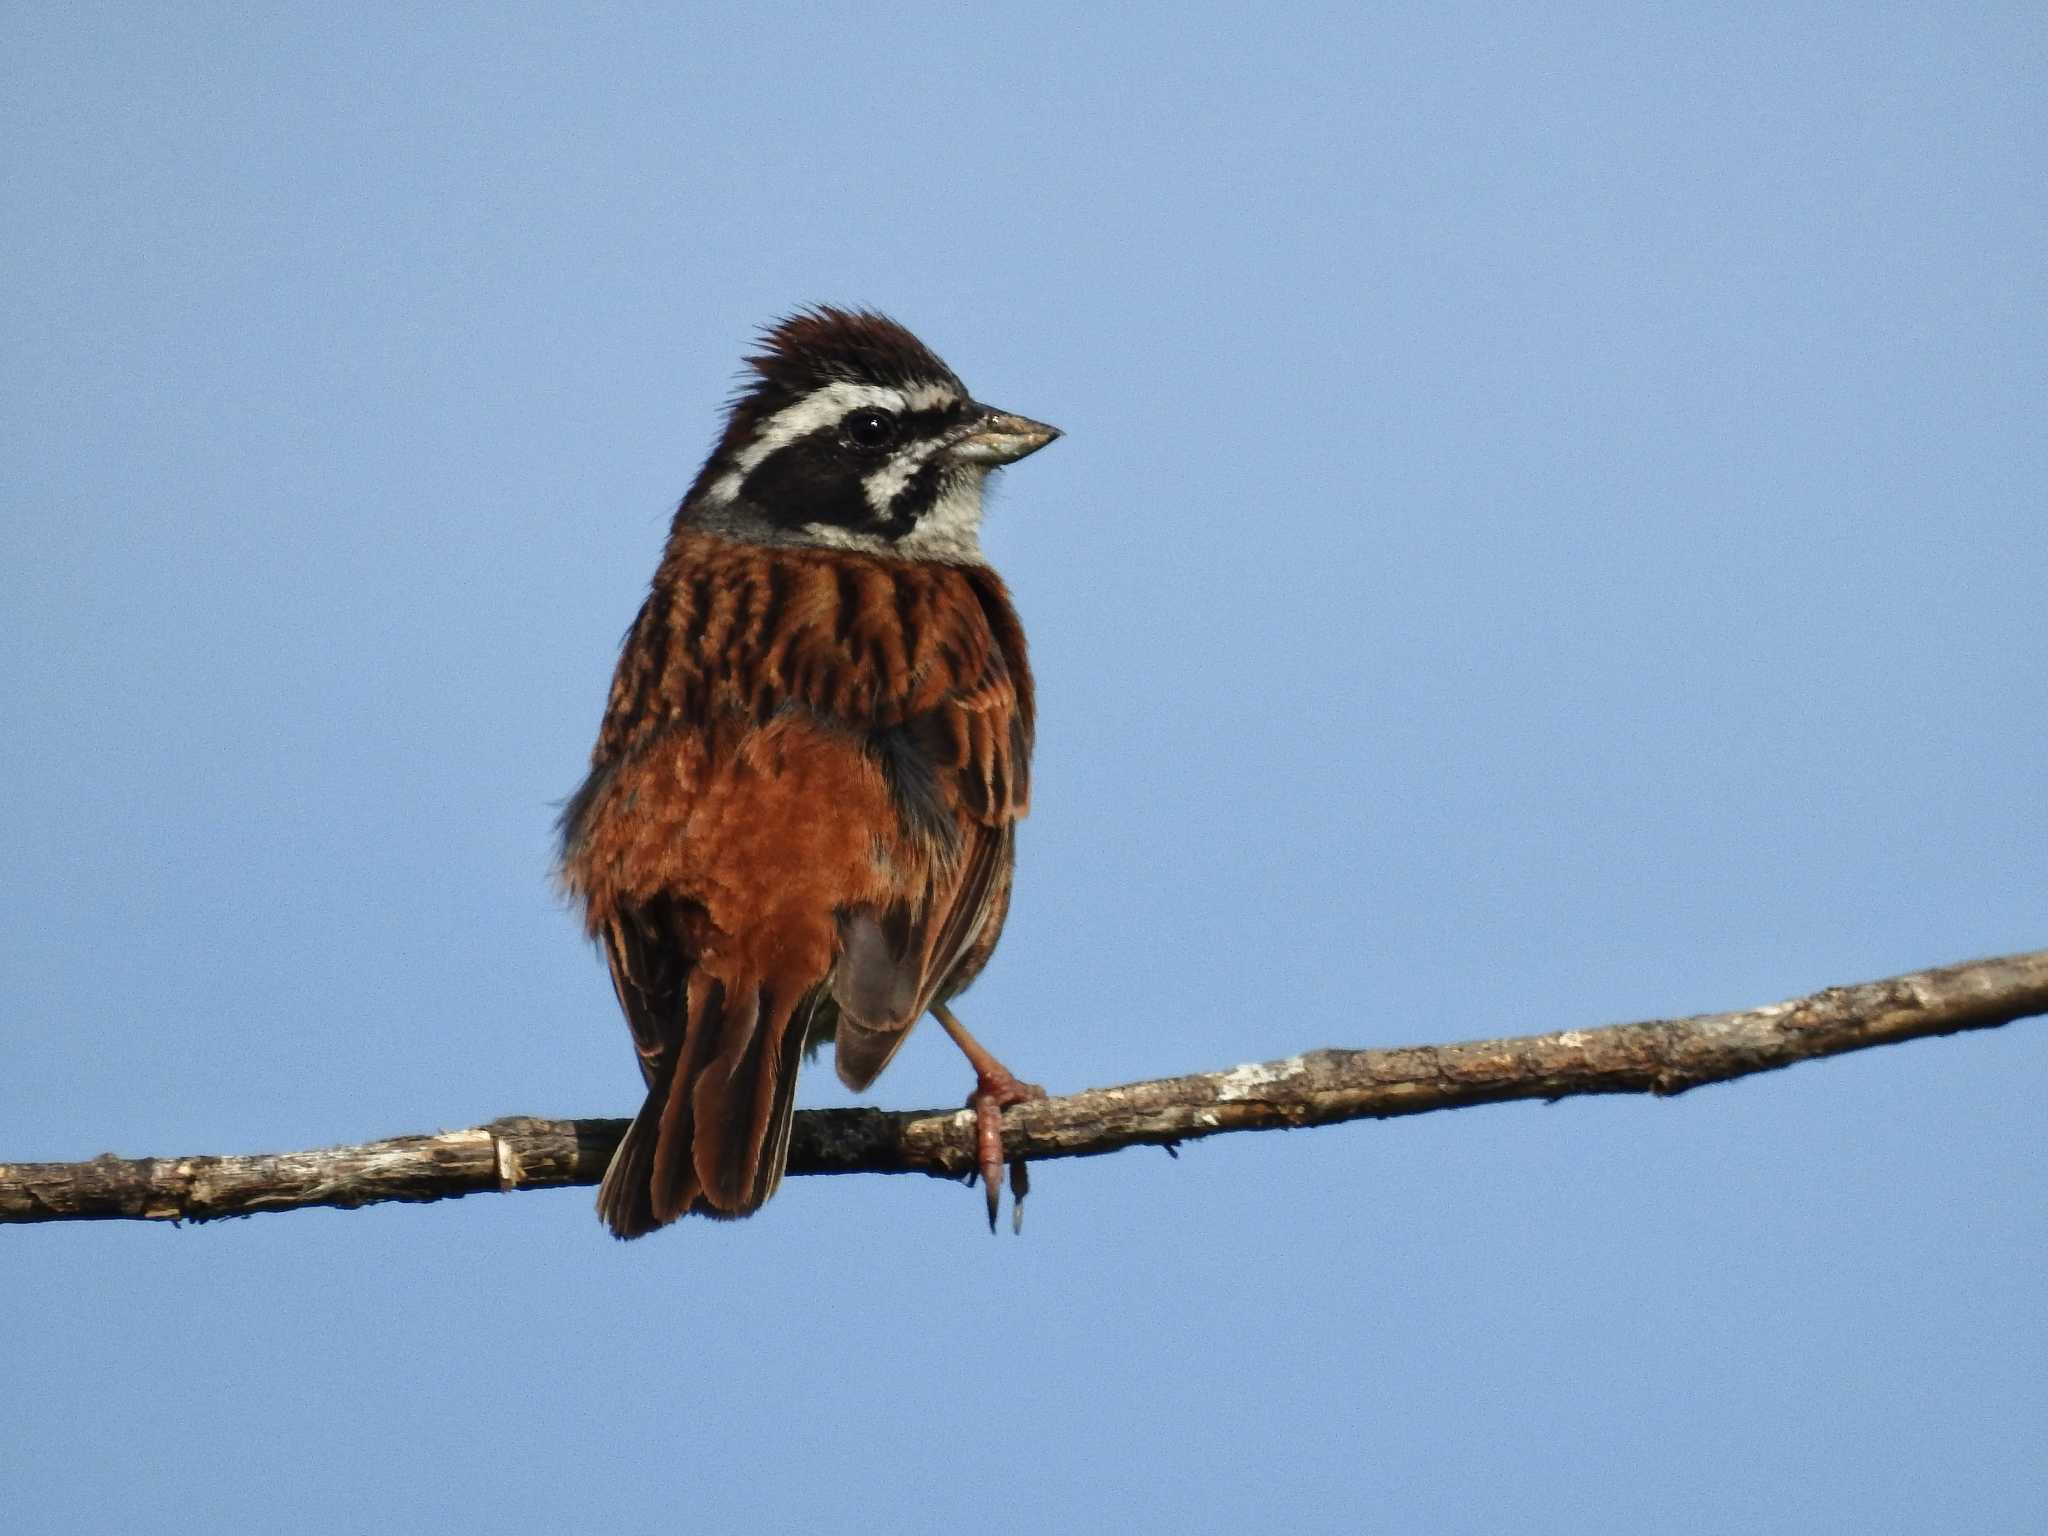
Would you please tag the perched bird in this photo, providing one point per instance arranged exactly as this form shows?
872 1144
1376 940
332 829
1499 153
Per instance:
800 818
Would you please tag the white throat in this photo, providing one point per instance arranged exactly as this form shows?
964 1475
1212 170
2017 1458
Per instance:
949 533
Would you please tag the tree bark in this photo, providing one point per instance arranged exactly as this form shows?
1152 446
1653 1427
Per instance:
1661 1057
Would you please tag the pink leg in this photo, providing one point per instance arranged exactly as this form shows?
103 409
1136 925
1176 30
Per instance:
995 1089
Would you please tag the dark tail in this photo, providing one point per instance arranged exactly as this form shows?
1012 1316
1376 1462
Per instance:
625 1200
713 1136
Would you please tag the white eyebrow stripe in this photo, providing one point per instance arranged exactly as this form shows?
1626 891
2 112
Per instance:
820 408
823 407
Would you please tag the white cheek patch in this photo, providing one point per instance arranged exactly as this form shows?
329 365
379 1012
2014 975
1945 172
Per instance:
950 532
883 486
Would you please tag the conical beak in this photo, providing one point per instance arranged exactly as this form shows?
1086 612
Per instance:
996 437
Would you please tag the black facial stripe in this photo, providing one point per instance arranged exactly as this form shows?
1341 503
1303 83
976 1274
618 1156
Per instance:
914 500
819 478
914 425
809 480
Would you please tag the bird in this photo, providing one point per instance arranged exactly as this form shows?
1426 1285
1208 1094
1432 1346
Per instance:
800 817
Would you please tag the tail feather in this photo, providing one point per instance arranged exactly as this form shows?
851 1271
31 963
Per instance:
713 1134
722 1099
780 1113
676 1187
625 1200
771 1043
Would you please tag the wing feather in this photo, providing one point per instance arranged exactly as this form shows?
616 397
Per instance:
963 765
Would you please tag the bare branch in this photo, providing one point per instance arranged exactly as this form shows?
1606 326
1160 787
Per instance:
1319 1088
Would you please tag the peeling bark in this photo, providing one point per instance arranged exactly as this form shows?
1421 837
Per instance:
1661 1057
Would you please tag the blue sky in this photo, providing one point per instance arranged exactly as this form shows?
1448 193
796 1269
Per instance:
1549 533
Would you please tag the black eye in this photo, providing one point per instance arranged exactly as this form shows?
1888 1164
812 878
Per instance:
869 429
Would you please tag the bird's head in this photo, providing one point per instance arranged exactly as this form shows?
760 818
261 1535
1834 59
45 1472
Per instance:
854 435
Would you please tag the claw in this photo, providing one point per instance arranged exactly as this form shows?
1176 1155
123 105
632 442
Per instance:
1020 1186
993 1094
988 1146
995 1088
